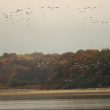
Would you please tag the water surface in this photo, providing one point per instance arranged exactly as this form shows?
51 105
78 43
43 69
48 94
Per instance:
56 104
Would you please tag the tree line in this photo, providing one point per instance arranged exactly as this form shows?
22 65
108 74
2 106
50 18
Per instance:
82 69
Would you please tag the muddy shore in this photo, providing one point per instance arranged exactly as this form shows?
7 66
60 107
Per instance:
22 94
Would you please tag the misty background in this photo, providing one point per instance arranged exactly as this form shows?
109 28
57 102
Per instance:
55 26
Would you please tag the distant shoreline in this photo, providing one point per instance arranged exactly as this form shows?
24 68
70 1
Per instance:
22 94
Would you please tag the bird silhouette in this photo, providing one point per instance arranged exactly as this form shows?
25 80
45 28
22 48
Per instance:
57 7
42 7
5 15
28 13
18 10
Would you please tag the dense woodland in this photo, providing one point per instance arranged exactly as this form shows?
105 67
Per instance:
83 69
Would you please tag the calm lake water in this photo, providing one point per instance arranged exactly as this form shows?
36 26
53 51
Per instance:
56 104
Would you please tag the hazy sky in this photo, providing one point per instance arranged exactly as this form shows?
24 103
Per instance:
54 25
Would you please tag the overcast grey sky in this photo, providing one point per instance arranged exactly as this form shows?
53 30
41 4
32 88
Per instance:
54 26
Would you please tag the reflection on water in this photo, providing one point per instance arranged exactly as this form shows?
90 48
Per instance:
55 104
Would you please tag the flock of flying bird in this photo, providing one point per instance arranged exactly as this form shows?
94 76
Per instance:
92 19
18 16
24 15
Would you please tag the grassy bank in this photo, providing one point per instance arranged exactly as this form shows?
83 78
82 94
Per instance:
42 94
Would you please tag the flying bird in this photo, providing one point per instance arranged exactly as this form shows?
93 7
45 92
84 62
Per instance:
28 13
42 7
6 16
57 7
18 10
